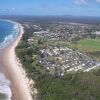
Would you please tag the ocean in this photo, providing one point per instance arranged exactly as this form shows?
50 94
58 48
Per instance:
9 30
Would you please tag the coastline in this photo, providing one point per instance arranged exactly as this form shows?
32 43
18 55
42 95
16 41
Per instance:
15 73
10 37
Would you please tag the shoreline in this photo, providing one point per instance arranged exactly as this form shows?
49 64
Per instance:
14 72
10 38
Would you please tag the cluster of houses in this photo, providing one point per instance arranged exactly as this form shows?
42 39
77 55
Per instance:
59 61
70 32
69 35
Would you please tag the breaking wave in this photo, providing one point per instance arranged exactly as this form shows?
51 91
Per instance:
13 34
5 91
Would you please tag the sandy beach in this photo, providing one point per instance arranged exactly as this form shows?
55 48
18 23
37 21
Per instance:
9 65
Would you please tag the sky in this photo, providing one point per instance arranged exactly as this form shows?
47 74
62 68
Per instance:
50 7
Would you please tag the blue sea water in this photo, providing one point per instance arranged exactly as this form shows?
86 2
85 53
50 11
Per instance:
9 30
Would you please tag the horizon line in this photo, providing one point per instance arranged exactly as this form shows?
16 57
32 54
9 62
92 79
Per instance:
48 15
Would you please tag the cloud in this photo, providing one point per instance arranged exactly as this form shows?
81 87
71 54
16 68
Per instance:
98 1
80 2
13 8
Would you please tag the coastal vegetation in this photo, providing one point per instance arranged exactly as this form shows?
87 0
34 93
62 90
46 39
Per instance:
79 86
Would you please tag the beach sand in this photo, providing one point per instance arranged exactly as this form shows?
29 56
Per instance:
9 65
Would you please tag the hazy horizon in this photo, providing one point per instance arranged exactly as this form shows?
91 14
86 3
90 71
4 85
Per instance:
50 7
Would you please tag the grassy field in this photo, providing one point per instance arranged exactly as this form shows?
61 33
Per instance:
88 45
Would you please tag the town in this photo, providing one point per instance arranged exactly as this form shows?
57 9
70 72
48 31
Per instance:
55 55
